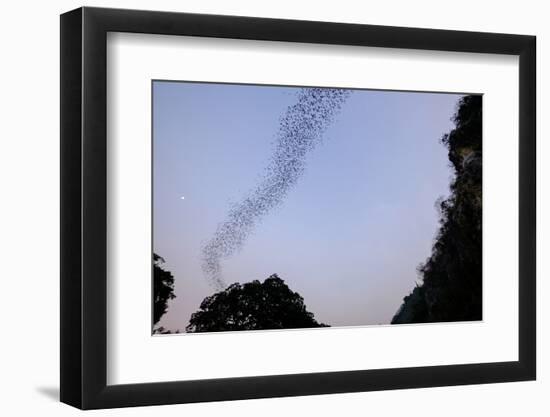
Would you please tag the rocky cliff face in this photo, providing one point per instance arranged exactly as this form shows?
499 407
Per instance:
451 288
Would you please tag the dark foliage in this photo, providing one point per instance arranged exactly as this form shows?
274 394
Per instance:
253 306
163 288
451 287
162 330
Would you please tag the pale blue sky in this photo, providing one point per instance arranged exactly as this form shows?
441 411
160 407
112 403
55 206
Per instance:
348 237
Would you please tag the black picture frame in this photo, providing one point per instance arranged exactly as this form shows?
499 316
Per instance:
84 207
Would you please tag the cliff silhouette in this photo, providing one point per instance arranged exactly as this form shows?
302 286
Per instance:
451 278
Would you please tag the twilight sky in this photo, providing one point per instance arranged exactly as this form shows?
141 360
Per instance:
351 233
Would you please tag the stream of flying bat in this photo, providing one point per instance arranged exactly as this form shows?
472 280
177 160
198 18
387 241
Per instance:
301 129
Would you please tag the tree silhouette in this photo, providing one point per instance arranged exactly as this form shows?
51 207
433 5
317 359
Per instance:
253 306
163 288
451 277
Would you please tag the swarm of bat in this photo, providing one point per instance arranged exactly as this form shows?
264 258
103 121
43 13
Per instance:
301 129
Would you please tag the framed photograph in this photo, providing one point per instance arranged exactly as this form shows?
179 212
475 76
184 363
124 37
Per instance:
258 208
